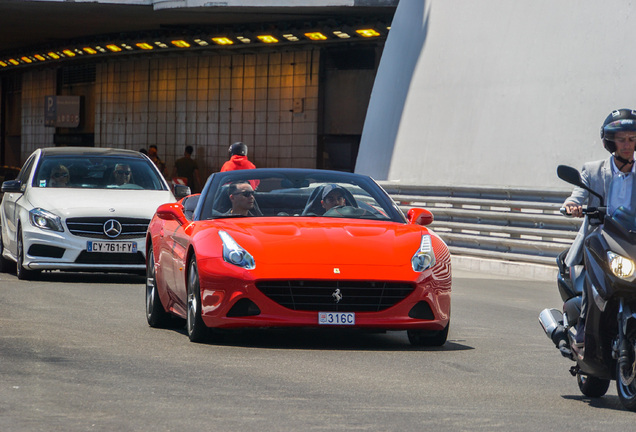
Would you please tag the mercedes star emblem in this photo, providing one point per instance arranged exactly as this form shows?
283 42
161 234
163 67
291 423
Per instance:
112 228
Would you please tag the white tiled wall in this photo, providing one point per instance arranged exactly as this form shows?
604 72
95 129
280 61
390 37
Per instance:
35 86
210 101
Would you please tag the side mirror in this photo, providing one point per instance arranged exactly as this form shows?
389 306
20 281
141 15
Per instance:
12 186
172 211
572 176
181 191
419 216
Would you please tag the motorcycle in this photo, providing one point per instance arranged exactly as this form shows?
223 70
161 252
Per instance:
608 275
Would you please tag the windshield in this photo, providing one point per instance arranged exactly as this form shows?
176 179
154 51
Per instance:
625 217
263 193
103 172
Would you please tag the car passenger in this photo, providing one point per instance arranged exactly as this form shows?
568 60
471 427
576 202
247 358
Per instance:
242 198
59 176
332 196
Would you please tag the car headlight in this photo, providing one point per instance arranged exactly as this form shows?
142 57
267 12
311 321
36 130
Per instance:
235 254
621 266
43 219
424 258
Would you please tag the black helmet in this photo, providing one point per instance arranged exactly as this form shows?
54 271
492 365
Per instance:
238 148
618 121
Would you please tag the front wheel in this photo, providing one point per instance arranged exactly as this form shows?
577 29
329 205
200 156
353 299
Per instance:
428 338
197 330
626 383
155 313
592 386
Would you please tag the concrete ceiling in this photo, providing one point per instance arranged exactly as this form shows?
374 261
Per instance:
25 24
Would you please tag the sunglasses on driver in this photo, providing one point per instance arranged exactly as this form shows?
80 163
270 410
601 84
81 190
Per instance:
246 194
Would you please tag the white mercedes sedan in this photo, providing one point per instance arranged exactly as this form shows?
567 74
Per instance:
80 209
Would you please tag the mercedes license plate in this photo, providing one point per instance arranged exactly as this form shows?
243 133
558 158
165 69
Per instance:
111 247
336 318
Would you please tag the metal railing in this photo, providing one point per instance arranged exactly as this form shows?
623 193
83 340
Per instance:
521 225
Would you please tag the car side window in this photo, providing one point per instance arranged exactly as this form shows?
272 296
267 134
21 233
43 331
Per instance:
25 172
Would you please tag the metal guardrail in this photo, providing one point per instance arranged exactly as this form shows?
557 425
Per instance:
521 225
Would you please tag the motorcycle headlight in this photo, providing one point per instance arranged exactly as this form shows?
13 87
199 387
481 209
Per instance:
424 258
44 219
235 254
621 266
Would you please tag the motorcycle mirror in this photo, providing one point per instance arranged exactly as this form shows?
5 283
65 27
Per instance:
572 176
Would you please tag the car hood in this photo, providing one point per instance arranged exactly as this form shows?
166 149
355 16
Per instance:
69 202
325 241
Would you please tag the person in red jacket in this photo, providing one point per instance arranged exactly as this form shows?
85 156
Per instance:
238 158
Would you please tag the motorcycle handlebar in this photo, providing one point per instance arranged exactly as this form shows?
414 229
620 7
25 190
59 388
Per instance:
592 211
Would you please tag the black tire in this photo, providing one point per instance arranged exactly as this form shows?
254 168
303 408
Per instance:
428 338
155 312
592 386
21 272
197 330
626 393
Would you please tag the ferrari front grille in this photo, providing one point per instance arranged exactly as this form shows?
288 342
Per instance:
335 296
93 227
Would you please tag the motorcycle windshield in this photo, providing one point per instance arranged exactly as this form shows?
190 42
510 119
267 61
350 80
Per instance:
621 203
626 218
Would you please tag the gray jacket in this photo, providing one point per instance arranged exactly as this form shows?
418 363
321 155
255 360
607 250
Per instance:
597 176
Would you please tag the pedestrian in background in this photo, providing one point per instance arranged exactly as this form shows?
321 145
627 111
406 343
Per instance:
188 169
153 154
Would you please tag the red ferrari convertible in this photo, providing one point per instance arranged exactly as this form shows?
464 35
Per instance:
301 248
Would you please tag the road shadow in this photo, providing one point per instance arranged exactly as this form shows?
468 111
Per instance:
88 278
605 402
320 339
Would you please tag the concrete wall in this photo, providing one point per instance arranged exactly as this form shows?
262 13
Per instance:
497 92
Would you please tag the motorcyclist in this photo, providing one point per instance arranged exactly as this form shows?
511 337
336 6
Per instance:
238 161
618 134
238 158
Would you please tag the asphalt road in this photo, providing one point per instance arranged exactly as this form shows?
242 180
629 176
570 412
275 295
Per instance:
76 354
